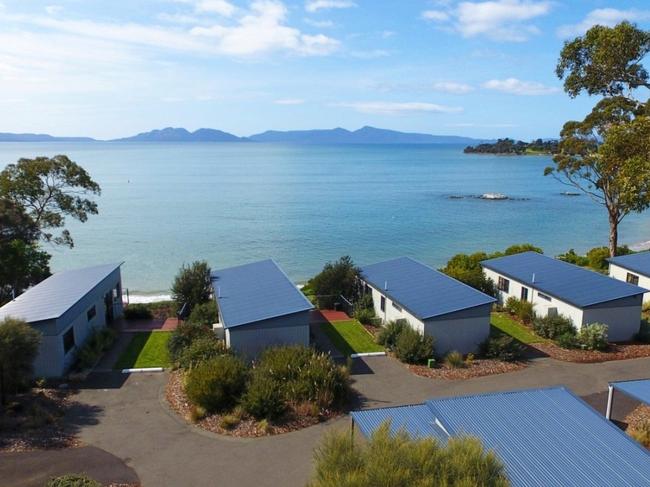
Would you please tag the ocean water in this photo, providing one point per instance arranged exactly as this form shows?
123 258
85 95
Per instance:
164 204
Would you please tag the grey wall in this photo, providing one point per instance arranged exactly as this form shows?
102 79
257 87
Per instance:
250 340
622 317
463 331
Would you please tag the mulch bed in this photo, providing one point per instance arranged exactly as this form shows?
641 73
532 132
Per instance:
478 368
34 420
639 415
248 427
616 351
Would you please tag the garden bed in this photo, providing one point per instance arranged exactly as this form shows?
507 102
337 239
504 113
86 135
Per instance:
616 351
247 427
35 420
477 368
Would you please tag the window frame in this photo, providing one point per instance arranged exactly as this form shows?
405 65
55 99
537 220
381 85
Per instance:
382 304
524 293
91 313
632 279
503 284
396 306
69 341
545 297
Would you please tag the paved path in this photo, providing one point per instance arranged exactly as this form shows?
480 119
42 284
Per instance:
134 423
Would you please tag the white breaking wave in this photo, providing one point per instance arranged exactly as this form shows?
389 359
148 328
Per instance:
146 298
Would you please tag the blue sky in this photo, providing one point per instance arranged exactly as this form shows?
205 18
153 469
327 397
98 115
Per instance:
109 69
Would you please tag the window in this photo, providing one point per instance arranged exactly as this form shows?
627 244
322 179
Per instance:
396 306
632 279
382 305
117 292
544 296
524 294
503 284
68 340
90 314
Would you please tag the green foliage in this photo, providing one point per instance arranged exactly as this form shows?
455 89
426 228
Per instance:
138 312
340 278
502 347
397 460
567 340
216 384
510 146
388 334
192 285
200 350
512 305
641 432
183 336
49 189
204 314
413 347
99 341
455 360
643 334
72 480
262 399
364 316
593 336
574 258
18 348
553 326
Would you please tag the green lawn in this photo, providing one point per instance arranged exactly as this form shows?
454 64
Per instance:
147 349
351 337
503 323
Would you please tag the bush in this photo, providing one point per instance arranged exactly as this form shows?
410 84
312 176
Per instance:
387 336
263 399
217 383
454 360
573 258
229 421
99 341
340 278
643 335
204 314
388 459
138 312
525 313
597 257
413 347
72 480
512 305
593 337
553 326
641 433
192 285
364 315
200 350
18 348
567 340
502 347
183 336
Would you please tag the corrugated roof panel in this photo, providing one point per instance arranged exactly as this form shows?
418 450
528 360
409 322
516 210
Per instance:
416 420
55 295
639 389
421 290
564 281
635 262
253 292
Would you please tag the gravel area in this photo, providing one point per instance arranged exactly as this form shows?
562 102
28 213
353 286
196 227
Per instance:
478 368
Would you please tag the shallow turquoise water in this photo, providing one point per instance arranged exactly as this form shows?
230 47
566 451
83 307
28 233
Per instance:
165 204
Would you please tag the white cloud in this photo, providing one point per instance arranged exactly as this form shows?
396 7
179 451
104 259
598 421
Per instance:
289 101
372 54
602 16
220 7
515 86
397 108
321 24
53 9
452 87
316 5
501 20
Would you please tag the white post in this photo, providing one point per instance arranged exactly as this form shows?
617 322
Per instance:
610 401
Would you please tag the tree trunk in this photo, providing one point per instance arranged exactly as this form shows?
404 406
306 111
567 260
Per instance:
613 234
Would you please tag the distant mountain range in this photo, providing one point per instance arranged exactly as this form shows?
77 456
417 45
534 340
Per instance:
364 135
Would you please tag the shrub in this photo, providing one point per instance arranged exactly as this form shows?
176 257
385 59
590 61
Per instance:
641 433
138 312
593 337
72 480
597 257
183 336
99 341
502 347
217 383
387 336
18 348
192 285
229 421
567 340
525 312
413 347
340 278
512 305
454 360
197 413
204 314
263 399
398 460
553 326
364 315
200 350
643 335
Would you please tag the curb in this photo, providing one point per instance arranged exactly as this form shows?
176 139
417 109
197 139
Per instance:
143 370
367 354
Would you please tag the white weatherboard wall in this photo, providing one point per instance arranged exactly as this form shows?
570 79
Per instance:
392 313
620 273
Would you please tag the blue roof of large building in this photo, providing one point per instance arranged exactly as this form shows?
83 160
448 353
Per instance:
421 290
254 292
638 389
543 436
564 281
51 298
634 262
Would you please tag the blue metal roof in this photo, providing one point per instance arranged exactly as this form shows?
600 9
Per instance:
415 419
421 290
49 299
543 436
564 281
253 292
634 262
638 389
